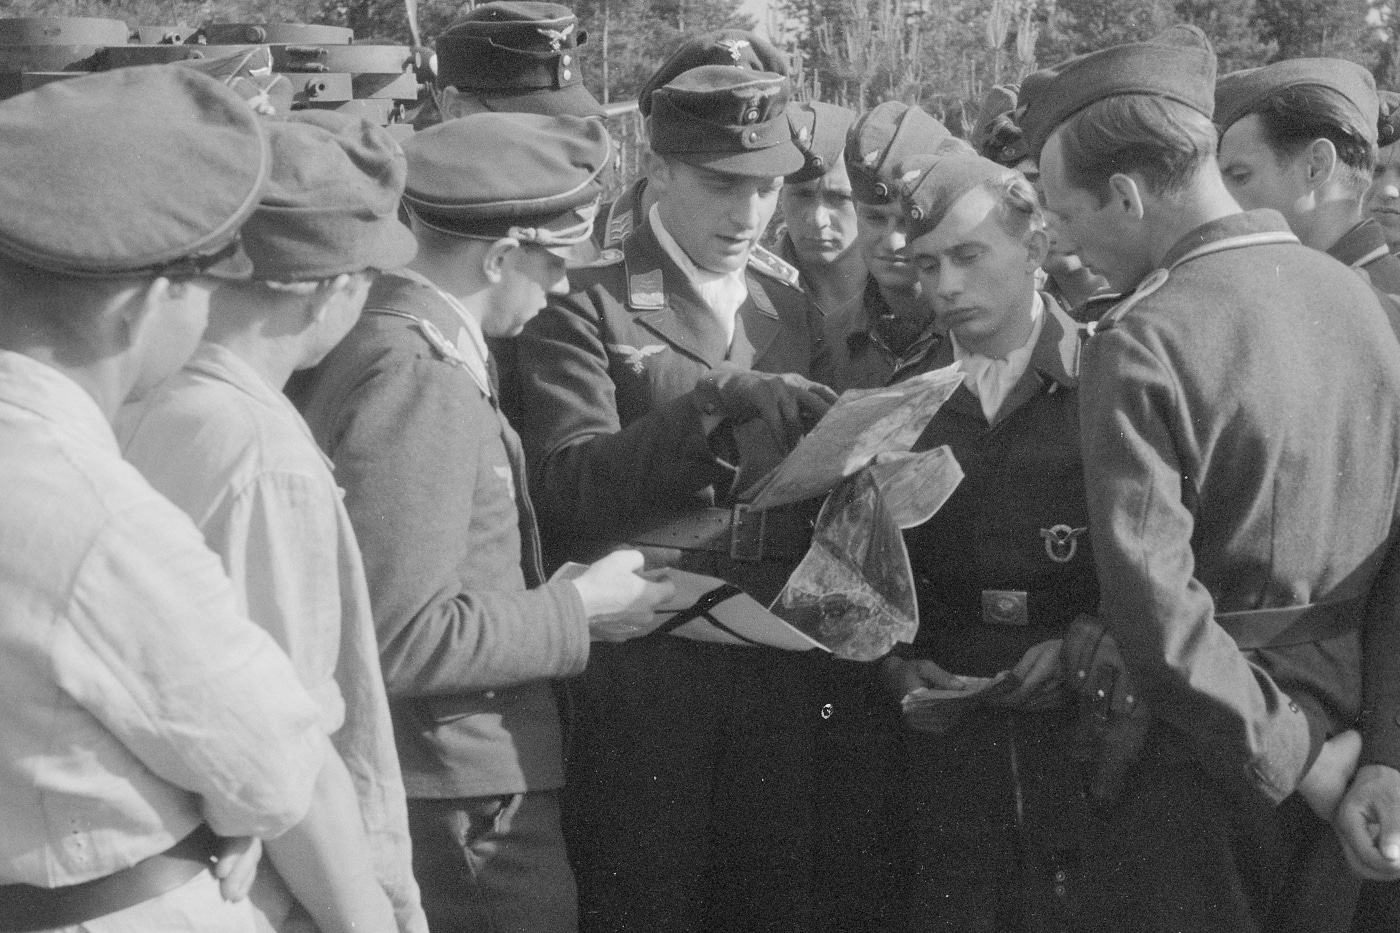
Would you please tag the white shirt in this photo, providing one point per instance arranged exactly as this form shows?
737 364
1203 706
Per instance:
137 699
992 380
723 292
233 454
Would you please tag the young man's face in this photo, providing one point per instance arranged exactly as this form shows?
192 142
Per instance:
716 217
531 274
821 217
978 276
1383 197
1104 237
1257 175
882 237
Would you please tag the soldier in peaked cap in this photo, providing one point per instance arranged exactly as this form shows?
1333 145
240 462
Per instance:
470 634
1083 294
1240 633
512 56
993 804
1299 136
887 333
819 213
144 715
738 48
221 441
640 391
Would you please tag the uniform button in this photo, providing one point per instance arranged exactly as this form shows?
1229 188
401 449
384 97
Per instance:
490 694
1059 890
568 74
566 59
828 711
1060 876
1293 706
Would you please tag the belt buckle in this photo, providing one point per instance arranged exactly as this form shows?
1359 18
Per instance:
1006 607
746 527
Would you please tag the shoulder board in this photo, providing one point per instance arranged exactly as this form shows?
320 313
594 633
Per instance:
429 331
1148 285
605 257
769 263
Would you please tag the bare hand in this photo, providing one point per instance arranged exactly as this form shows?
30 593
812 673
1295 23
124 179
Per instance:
1368 823
787 403
618 600
1326 781
903 676
237 865
1041 677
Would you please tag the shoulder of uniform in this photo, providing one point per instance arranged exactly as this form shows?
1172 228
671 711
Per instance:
605 257
766 262
427 331
1144 290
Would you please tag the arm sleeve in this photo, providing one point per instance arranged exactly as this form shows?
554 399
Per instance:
451 613
1161 615
587 469
155 649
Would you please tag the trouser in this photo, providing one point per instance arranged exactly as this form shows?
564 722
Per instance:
493 864
689 799
1002 839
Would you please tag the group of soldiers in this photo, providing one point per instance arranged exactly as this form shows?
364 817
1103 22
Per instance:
347 485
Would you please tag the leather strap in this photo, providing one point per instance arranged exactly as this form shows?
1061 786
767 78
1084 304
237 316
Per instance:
25 907
700 609
1293 625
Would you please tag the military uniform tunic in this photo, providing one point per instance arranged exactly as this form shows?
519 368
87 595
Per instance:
687 795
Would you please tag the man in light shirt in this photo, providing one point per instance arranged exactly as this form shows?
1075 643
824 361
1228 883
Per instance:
142 713
221 441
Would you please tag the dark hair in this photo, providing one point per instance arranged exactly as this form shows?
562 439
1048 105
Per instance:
1294 117
1166 142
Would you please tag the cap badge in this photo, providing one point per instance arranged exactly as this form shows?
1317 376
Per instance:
635 359
734 47
751 115
1061 542
556 37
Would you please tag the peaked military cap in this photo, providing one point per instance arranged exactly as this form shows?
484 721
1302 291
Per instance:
940 182
882 141
1178 64
521 175
726 118
136 171
995 135
1348 92
1388 126
331 200
737 47
819 129
518 55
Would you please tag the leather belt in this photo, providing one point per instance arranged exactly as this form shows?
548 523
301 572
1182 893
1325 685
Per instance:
1293 625
742 533
25 907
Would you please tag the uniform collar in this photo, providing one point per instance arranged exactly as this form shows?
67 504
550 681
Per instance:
469 340
1360 246
44 391
1243 229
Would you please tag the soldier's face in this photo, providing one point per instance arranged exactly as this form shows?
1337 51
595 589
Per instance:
821 217
1383 198
530 275
714 216
978 275
1105 235
882 237
1258 176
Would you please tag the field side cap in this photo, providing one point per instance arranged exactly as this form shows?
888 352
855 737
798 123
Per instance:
1349 98
518 56
881 142
331 201
136 171
736 47
819 129
1178 64
1388 124
995 135
728 119
939 182
490 175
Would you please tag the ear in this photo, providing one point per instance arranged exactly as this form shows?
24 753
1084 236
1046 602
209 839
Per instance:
658 171
494 259
1125 192
1322 163
327 295
1037 248
132 311
452 103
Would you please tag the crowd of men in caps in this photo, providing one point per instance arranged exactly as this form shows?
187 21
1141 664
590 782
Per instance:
296 423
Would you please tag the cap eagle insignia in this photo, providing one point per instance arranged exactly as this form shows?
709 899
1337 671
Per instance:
734 47
556 37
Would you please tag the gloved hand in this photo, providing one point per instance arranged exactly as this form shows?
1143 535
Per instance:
787 403
1113 721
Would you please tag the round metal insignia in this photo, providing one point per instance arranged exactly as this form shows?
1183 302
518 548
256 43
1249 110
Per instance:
1061 542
